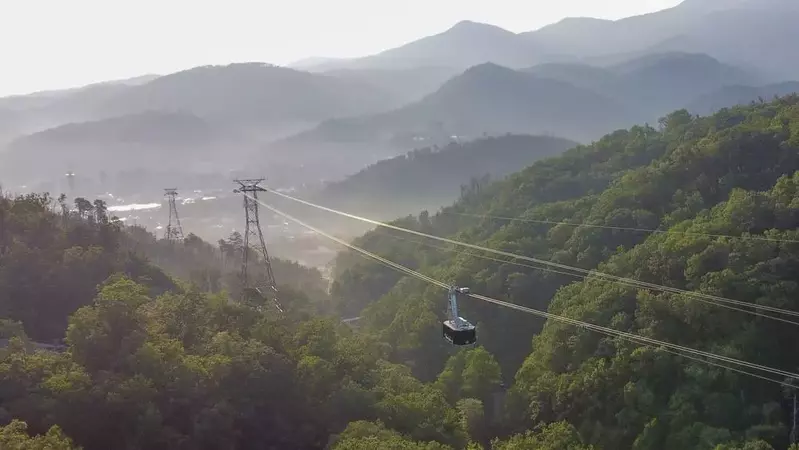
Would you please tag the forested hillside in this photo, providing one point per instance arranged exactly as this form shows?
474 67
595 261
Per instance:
152 362
51 264
709 184
433 177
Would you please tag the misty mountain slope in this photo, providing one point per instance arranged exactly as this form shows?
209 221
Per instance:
755 34
253 93
661 83
576 101
151 139
588 37
266 102
405 85
78 105
43 110
44 99
652 85
464 45
430 178
581 75
486 99
9 123
575 28
749 33
585 37
494 99
761 35
468 43
740 95
315 63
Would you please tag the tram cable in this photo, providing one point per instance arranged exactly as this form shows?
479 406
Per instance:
582 277
699 355
615 228
717 300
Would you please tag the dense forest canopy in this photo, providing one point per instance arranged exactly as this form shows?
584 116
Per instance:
731 174
154 362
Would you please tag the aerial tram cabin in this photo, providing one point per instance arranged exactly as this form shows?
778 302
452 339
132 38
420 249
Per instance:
456 329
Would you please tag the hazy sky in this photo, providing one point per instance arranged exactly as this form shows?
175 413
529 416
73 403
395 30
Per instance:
48 44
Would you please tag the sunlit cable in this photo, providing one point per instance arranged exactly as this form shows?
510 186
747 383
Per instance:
597 328
609 227
592 273
583 277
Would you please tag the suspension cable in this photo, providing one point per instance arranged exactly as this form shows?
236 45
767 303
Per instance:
592 273
624 335
609 227
582 277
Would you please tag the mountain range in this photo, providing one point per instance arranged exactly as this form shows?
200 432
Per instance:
573 100
168 140
431 177
235 106
577 79
717 28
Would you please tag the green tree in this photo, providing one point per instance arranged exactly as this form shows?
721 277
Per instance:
83 206
473 419
14 436
370 435
557 436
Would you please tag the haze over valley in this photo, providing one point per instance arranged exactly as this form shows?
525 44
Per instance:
311 128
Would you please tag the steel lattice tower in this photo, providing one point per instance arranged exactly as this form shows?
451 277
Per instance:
254 238
174 231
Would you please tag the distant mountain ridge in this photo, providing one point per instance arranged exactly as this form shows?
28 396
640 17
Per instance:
233 110
734 31
176 140
575 101
407 84
652 85
430 178
485 99
255 95
464 45
252 91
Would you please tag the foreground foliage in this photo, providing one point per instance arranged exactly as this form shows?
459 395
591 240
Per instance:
14 436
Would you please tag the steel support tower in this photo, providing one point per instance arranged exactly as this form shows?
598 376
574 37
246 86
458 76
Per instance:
174 231
254 241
